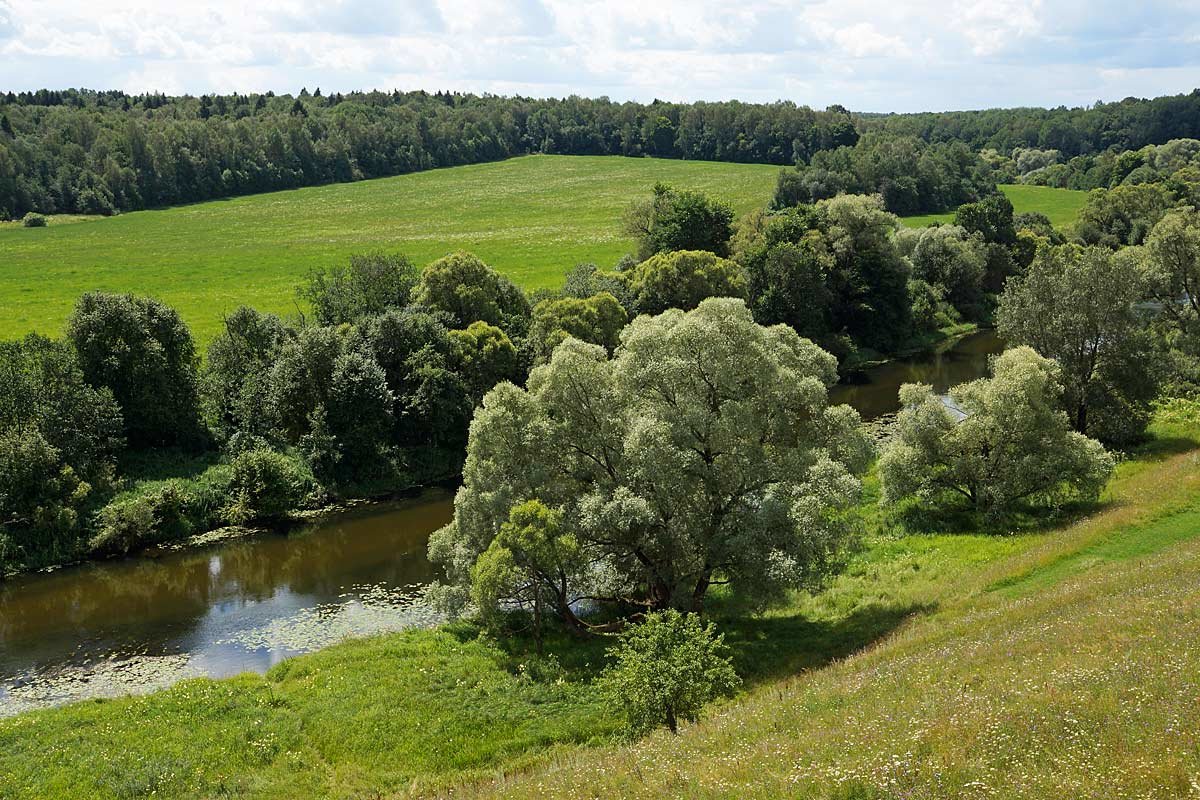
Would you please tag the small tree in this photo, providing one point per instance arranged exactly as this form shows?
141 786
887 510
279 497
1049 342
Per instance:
680 220
468 290
1079 307
369 285
666 669
597 320
141 350
681 279
1004 440
32 220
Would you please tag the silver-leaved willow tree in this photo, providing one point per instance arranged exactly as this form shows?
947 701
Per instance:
703 452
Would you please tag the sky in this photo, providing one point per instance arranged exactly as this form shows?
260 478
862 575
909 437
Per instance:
902 55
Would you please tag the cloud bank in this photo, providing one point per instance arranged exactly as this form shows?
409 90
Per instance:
864 54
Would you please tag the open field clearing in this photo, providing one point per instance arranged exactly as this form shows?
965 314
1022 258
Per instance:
533 218
1062 206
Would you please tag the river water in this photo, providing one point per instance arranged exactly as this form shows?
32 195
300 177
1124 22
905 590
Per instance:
133 625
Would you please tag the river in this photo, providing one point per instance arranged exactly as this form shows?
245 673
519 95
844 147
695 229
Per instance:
133 625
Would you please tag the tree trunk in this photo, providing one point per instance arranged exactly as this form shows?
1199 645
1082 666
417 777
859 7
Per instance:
671 722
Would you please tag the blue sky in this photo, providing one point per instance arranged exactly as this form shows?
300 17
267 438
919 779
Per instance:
864 54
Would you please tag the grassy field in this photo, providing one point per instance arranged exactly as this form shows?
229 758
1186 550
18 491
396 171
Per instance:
1062 206
533 218
1052 663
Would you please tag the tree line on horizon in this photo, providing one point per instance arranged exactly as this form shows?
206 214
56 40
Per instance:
103 152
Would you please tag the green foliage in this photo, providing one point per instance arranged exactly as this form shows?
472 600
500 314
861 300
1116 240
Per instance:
234 381
264 486
870 281
141 351
1001 441
955 263
41 500
1170 266
704 447
680 220
682 279
1123 215
99 152
369 285
484 356
909 175
131 522
1079 307
666 669
788 268
32 220
597 319
991 218
467 290
531 562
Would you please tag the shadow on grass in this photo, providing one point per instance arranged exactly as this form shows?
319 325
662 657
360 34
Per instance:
1160 448
165 463
917 518
764 648
769 648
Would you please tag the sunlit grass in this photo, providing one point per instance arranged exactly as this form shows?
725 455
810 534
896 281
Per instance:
533 218
1062 206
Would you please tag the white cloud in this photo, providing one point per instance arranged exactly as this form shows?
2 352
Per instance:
865 54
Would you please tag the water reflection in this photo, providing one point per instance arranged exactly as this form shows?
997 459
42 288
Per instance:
875 392
217 611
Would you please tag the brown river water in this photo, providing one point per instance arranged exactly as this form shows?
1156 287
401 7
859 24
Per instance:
133 625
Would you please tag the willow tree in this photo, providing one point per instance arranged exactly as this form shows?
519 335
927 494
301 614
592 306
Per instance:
702 452
1000 442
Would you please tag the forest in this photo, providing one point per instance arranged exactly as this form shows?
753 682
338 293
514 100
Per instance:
88 152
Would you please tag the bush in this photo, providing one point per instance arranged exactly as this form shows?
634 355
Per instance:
667 669
33 220
265 485
681 279
142 351
132 522
998 442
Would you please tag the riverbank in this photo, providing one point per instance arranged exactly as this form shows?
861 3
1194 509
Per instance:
184 493
415 712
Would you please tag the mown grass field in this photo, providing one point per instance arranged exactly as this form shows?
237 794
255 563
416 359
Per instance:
1062 206
533 218
1057 662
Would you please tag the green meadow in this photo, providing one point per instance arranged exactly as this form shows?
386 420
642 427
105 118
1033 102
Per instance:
533 218
1061 206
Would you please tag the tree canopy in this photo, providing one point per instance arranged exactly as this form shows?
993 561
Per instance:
1001 441
703 451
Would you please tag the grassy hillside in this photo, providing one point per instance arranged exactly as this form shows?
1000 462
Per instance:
533 218
1062 206
1051 663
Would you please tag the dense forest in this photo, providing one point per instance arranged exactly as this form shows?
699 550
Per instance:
1125 125
80 151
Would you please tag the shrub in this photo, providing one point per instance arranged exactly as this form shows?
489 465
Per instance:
265 485
681 279
142 351
999 442
666 669
132 522
33 220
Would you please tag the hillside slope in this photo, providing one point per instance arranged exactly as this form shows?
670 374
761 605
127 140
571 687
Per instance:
533 218
1058 662
1069 669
